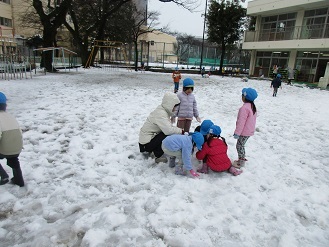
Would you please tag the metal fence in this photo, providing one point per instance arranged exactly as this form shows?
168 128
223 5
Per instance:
288 33
15 67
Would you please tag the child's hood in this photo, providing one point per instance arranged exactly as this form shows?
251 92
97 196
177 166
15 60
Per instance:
169 100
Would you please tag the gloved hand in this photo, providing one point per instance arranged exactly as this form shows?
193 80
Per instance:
198 119
194 174
236 136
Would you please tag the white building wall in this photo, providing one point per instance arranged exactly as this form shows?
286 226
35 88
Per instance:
298 43
266 7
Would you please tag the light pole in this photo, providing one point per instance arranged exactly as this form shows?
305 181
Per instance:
204 27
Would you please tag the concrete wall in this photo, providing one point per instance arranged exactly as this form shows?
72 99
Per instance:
273 7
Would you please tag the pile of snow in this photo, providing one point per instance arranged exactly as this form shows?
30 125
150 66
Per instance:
88 185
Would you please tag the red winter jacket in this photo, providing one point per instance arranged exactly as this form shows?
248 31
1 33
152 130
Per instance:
215 154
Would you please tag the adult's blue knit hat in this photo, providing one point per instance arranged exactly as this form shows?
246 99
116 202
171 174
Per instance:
205 125
198 139
188 82
215 130
249 93
3 99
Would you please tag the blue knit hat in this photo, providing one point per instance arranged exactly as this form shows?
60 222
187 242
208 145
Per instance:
205 125
215 130
176 68
188 82
3 98
249 93
198 139
278 76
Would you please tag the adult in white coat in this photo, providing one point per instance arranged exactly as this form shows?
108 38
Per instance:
157 126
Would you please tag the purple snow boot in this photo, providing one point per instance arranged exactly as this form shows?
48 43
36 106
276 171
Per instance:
179 170
204 169
234 171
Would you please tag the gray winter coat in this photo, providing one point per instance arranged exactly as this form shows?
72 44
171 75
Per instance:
187 107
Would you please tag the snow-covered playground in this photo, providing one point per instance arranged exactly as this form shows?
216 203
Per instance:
88 185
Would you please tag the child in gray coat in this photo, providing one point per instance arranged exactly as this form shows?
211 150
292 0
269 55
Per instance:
187 109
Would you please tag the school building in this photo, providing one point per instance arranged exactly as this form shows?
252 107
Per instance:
153 47
289 34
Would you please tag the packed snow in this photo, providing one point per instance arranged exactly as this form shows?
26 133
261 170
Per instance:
87 184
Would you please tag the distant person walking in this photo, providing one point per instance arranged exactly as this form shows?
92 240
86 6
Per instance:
276 83
176 76
275 70
203 71
142 67
261 73
291 75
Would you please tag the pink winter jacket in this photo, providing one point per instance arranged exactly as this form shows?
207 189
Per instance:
246 121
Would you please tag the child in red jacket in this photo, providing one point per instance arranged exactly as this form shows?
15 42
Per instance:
215 153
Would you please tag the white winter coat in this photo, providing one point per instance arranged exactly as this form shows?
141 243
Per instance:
159 120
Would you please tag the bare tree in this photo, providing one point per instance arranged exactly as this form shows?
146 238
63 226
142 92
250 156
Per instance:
51 19
184 43
141 23
186 4
88 22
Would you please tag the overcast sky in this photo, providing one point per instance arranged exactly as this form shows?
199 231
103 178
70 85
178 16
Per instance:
180 19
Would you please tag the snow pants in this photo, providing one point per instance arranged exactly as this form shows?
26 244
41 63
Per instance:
13 163
154 145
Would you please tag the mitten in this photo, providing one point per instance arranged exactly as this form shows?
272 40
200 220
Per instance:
194 174
198 119
236 136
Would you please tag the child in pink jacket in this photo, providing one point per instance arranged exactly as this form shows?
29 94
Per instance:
245 124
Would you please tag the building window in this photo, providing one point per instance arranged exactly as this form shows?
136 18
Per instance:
278 27
5 1
316 24
265 61
5 22
311 65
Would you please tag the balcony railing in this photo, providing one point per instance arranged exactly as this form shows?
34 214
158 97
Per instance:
288 33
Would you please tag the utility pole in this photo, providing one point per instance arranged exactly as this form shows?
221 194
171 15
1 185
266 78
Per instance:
204 28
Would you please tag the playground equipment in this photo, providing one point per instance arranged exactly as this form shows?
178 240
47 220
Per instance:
60 61
115 52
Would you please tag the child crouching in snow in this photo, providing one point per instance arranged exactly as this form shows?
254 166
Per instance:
214 151
181 147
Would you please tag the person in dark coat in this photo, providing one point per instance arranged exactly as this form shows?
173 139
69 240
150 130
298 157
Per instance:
276 83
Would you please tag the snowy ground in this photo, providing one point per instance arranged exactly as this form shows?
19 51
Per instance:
88 185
